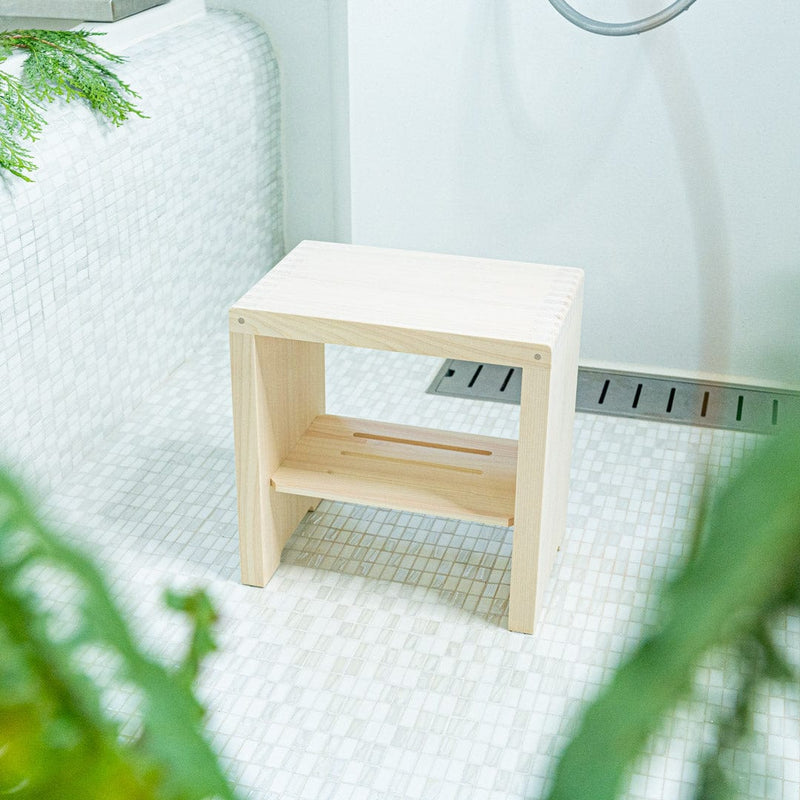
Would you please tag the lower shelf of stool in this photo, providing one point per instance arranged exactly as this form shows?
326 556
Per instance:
428 471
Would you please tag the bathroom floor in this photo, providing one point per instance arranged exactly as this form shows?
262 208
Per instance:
376 663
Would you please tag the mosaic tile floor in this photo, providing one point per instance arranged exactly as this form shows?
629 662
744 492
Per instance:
376 663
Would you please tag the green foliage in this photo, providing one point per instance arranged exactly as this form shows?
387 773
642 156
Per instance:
59 64
742 574
21 120
57 741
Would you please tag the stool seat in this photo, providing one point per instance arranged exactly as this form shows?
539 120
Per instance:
289 453
411 302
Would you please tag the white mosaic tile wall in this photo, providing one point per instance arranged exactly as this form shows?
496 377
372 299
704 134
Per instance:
121 258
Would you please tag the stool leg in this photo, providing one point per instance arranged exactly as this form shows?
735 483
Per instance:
529 512
278 388
547 414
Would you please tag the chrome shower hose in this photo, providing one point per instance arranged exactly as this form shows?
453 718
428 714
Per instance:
620 28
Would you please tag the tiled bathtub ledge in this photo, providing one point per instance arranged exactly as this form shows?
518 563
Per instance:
123 255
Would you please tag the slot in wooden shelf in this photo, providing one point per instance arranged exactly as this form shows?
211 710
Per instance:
429 471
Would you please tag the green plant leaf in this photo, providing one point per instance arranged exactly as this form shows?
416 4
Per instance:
744 570
59 64
69 64
56 738
21 120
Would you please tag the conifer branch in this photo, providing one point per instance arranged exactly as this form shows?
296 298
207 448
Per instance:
59 64
21 120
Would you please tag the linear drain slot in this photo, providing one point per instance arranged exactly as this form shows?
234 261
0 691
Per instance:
475 376
627 394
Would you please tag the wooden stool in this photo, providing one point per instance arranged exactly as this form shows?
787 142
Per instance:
289 453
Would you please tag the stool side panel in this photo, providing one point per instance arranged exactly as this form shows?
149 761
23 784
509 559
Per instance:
530 498
547 413
246 390
278 389
558 453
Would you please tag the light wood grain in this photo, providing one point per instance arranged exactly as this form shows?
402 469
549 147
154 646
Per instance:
385 337
403 467
560 427
411 302
278 389
474 297
501 312
530 498
547 411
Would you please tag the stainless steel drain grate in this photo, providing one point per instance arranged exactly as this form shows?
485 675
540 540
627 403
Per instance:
627 394
478 381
